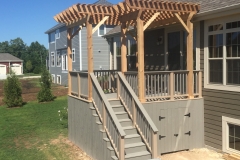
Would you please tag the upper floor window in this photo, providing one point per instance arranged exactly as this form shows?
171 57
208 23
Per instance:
101 30
58 59
52 37
231 25
52 59
73 54
57 34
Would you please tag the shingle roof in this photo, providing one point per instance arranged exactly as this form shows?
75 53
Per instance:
8 57
59 25
103 2
210 5
205 6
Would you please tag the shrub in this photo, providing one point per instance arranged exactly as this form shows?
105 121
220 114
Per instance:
45 93
12 91
63 114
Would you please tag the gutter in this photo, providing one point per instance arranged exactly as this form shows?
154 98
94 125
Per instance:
220 12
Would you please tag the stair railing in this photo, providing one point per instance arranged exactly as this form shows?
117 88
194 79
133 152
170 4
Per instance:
138 114
108 118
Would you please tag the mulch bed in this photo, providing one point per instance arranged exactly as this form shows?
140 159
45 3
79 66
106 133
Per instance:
30 91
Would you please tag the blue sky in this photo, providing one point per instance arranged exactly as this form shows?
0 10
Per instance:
29 19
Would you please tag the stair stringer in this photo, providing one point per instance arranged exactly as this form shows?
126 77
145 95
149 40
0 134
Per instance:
84 130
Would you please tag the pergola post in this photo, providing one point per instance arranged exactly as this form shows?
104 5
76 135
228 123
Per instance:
90 57
190 56
123 48
69 52
140 50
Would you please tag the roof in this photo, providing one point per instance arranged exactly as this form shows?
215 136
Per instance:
8 57
206 6
59 25
103 2
210 5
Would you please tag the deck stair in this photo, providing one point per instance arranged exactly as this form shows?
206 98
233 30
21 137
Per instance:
135 149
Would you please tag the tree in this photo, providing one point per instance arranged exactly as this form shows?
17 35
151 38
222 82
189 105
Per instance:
45 93
12 91
29 66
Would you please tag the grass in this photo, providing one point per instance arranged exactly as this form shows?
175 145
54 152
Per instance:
26 132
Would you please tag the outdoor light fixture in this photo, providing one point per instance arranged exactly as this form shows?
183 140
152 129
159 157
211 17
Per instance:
160 40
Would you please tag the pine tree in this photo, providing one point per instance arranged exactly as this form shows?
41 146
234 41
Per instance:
12 91
45 93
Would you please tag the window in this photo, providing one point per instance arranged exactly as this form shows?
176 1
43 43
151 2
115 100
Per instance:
73 54
64 61
231 135
52 37
101 30
58 79
53 78
57 34
52 59
222 70
58 59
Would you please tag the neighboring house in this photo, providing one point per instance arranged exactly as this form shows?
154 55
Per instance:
154 110
9 62
57 59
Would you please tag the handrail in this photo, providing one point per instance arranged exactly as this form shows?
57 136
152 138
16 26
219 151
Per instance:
139 104
108 106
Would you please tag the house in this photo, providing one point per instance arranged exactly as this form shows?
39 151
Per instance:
178 86
57 59
9 62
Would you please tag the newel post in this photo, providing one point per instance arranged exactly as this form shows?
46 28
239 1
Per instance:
154 145
200 84
90 58
121 148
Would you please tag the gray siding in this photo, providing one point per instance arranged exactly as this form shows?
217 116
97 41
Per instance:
62 41
84 131
101 53
217 103
174 122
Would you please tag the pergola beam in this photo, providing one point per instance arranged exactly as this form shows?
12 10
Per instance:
99 24
151 20
182 22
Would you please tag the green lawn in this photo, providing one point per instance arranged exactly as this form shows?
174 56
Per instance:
28 133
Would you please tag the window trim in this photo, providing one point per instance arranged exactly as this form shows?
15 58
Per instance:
104 30
57 34
225 134
63 55
224 85
53 78
53 55
73 60
57 79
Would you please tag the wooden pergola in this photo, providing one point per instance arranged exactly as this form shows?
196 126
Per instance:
142 14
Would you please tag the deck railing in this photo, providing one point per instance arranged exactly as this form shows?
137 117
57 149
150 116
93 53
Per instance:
165 85
107 80
108 118
138 114
79 85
